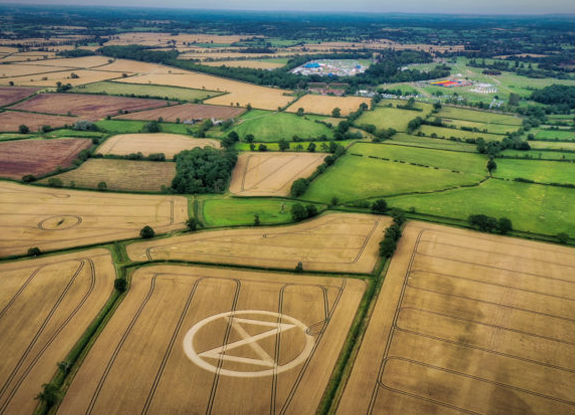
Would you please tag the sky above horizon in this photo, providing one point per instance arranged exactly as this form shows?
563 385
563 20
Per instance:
377 6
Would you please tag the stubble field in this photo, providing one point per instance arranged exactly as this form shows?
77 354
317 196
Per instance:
216 341
185 112
124 175
469 323
45 307
10 121
38 157
51 218
337 242
271 174
169 144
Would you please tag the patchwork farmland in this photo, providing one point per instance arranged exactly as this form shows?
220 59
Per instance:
55 218
169 144
461 311
278 348
271 174
45 307
38 157
317 244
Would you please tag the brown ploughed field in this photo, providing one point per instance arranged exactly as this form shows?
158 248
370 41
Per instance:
271 174
38 157
49 218
338 242
90 106
169 144
185 112
10 121
190 340
46 305
469 323
11 94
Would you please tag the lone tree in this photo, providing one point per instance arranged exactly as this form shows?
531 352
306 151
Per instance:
563 238
192 224
379 206
102 186
491 165
120 284
300 112
283 145
257 220
147 232
249 138
23 129
299 267
504 225
336 112
28 178
49 395
34 252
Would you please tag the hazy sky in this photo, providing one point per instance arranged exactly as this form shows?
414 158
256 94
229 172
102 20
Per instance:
409 6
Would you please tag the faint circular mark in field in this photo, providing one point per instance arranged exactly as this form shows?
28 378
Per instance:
248 348
59 222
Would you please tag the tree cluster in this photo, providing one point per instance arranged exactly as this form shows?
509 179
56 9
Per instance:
300 212
392 234
203 170
490 224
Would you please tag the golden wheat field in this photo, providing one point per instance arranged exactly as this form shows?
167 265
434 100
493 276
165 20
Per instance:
271 174
324 105
46 304
169 144
218 341
469 323
51 218
338 242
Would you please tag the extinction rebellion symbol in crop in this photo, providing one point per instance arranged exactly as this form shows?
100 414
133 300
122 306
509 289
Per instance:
248 343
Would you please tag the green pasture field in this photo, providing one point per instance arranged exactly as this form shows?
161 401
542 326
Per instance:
531 207
452 132
129 126
385 117
448 160
12 136
539 155
65 132
524 86
155 91
234 212
478 116
552 145
537 170
354 178
435 143
491 128
554 134
269 126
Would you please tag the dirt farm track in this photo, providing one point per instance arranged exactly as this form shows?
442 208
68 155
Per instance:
469 323
216 341
51 218
337 242
45 306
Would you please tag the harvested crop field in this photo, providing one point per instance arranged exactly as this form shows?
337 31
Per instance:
125 175
469 323
52 218
271 174
238 92
185 112
93 107
11 94
324 105
12 120
49 79
38 157
338 242
46 305
169 144
214 343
